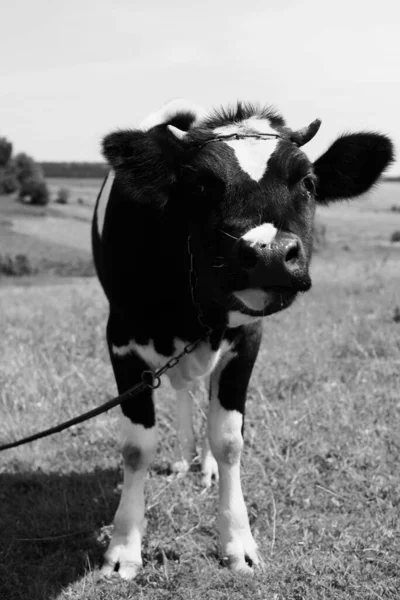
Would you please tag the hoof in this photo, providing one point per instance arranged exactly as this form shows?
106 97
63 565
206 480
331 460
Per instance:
180 467
125 569
209 472
241 555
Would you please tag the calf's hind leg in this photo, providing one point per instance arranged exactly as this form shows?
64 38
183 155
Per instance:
139 439
185 446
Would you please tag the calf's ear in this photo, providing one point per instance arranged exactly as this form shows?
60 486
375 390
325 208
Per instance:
352 165
139 156
120 147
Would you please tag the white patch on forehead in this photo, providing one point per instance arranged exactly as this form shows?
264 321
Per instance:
103 201
252 154
262 234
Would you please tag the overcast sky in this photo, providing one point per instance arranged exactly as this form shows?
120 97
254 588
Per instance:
73 71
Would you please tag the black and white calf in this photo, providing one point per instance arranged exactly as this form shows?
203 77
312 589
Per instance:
234 192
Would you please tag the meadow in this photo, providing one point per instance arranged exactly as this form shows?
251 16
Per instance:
320 469
49 241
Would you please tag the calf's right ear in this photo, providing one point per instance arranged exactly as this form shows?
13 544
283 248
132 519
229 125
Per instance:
352 165
139 158
122 146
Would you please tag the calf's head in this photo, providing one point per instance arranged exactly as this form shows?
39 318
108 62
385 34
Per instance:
240 185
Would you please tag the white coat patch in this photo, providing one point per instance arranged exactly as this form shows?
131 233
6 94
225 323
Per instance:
263 234
192 366
252 154
103 202
236 318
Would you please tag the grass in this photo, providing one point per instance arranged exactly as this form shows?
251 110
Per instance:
53 240
320 466
43 256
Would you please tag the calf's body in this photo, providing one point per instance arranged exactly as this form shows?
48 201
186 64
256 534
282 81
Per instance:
203 228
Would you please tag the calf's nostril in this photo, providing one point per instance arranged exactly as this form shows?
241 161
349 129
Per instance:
292 252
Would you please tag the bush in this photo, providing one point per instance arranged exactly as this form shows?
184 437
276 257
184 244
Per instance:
17 265
23 173
35 191
8 180
63 195
395 237
9 184
5 151
26 168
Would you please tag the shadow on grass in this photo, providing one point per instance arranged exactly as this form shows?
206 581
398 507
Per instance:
51 529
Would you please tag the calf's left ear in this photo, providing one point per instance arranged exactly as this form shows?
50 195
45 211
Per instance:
352 165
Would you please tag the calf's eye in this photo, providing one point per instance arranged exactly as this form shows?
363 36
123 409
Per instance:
309 185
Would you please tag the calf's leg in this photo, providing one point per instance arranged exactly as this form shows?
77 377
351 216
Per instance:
139 439
228 388
185 447
209 466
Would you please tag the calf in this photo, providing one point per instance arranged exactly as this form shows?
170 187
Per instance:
202 228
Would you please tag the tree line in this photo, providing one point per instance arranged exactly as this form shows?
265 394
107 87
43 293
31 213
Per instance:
75 169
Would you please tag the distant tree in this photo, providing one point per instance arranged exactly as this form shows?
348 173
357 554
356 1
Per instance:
8 179
26 167
34 190
74 169
33 187
22 173
5 151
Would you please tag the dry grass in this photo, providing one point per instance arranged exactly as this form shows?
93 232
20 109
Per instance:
320 467
52 242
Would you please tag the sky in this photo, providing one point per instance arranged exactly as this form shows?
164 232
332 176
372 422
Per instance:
74 71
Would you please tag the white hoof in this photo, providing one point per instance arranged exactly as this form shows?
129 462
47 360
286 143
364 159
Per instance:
124 569
121 560
180 467
241 554
209 471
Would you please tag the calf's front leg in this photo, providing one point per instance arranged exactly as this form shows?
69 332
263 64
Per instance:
124 552
228 388
139 440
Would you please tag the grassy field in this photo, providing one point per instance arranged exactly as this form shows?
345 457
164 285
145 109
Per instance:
53 240
86 189
322 441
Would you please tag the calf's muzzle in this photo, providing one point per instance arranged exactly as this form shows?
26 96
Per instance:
281 264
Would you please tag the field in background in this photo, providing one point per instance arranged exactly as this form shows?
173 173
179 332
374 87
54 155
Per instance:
54 240
322 437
